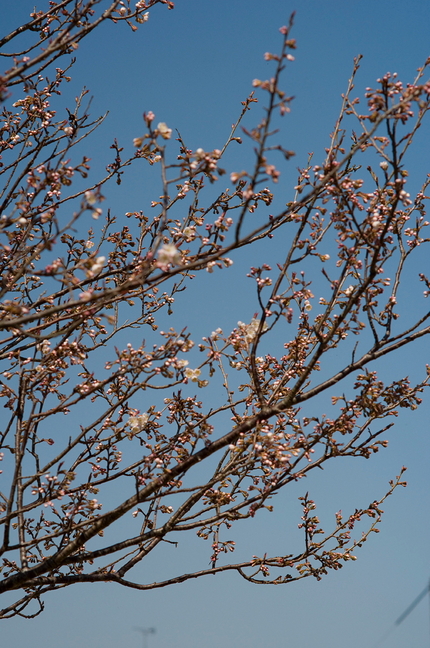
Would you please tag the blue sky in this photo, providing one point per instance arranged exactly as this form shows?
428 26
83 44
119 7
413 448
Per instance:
193 66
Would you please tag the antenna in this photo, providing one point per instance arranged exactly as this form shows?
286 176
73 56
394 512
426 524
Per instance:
145 632
413 605
406 613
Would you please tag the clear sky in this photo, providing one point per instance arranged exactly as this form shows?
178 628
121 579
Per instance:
193 66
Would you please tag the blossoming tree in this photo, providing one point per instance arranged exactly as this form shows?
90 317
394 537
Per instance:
111 447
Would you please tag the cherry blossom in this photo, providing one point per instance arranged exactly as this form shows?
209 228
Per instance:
169 254
93 332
